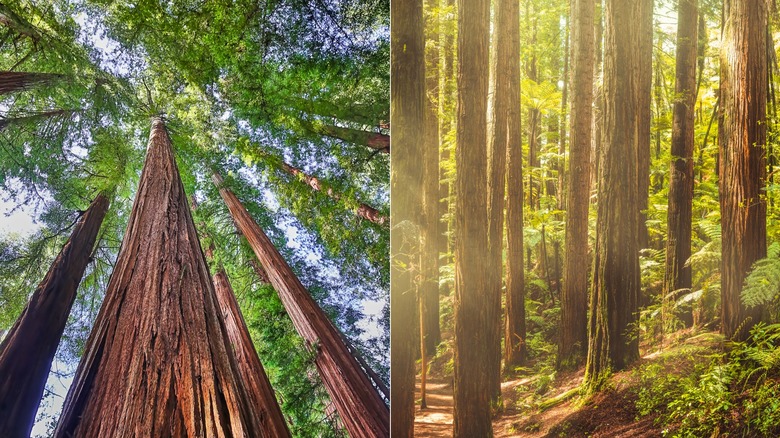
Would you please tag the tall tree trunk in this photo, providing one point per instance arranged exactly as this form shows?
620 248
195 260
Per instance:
35 117
156 361
507 23
430 249
598 96
28 349
644 82
11 81
679 220
572 348
250 368
359 405
616 282
446 124
474 316
363 210
742 165
373 140
407 115
534 121
562 126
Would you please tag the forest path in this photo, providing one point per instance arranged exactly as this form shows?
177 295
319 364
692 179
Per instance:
611 413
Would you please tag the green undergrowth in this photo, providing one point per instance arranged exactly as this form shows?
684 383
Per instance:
705 387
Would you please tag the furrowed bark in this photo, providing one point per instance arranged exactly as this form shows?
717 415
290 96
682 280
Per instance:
358 403
250 367
677 276
157 361
616 282
573 344
742 167
28 349
474 317
514 335
374 140
407 115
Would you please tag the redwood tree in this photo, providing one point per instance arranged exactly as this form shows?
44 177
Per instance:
11 81
616 281
474 315
358 403
573 343
514 335
407 115
157 360
250 368
677 275
507 22
28 349
742 167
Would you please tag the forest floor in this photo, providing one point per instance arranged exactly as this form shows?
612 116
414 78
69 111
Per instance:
539 405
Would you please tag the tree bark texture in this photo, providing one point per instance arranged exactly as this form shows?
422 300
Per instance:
11 81
28 349
157 361
573 344
407 116
644 83
358 403
474 315
507 54
616 281
250 368
679 213
429 289
742 168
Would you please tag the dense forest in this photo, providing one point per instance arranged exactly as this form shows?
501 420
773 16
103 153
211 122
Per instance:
206 193
585 239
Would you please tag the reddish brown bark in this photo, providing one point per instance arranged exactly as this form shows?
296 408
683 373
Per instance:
157 362
573 344
374 140
514 335
474 316
678 238
359 405
28 349
364 211
643 10
407 115
250 368
742 167
11 81
616 282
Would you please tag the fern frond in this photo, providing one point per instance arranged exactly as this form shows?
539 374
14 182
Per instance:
762 285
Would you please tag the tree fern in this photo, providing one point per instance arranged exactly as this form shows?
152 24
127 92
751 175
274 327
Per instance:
762 285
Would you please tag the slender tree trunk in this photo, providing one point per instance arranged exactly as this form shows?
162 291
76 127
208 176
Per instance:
430 251
616 282
363 210
407 115
679 220
742 165
374 140
644 80
157 361
359 405
564 100
250 368
11 20
474 315
598 96
11 81
27 351
573 345
446 125
34 118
